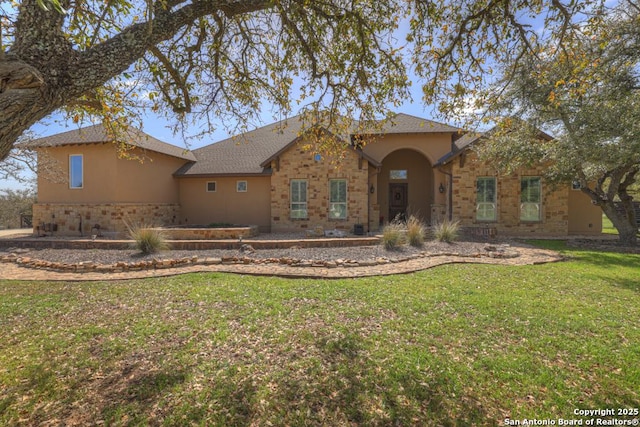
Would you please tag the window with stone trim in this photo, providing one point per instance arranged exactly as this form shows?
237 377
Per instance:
530 198
486 199
76 171
338 199
298 199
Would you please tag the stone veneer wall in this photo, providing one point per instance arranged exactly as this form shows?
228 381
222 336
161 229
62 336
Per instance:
555 203
110 216
296 163
203 233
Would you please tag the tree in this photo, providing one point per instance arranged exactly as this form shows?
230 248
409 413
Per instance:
221 59
14 203
214 59
588 96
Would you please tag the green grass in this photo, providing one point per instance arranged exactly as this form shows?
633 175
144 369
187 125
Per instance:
457 345
607 226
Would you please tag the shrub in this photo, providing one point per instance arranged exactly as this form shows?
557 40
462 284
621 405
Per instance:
394 234
415 231
148 240
447 231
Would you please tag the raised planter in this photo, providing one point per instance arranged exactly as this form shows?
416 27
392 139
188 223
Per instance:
204 233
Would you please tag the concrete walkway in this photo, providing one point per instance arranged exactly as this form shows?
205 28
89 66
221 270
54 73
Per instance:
15 232
528 256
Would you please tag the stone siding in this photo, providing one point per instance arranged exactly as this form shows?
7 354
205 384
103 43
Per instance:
555 202
202 233
112 217
296 163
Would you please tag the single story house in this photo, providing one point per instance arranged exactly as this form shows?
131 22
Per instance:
268 177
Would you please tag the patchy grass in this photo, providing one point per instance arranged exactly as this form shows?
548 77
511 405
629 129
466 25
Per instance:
457 345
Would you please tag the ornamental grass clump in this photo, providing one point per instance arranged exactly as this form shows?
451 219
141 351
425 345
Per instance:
447 231
415 231
148 240
394 234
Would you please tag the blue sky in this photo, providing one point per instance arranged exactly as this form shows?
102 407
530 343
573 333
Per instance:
161 128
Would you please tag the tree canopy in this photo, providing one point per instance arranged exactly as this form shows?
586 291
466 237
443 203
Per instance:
587 95
215 60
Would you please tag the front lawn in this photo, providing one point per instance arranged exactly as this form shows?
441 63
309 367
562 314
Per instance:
457 345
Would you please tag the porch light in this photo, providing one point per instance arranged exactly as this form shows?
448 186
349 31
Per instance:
372 189
441 188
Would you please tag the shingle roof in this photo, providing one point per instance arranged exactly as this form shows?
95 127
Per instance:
243 154
470 138
460 145
246 154
97 134
405 123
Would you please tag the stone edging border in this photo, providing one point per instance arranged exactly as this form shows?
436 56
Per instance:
155 264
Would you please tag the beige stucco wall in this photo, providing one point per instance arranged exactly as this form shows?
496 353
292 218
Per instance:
419 180
226 204
109 179
584 216
431 145
417 153
555 202
296 163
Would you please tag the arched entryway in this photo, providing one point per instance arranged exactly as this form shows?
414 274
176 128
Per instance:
405 185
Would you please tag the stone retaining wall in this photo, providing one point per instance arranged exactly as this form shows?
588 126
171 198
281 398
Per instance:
188 244
154 264
210 233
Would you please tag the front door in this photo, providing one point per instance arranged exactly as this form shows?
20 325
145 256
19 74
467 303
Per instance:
398 201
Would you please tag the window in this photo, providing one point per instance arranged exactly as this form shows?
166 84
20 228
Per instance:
530 198
338 199
486 199
298 199
76 175
241 186
398 174
211 187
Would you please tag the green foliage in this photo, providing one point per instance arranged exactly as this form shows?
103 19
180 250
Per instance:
415 231
14 203
148 240
586 97
394 234
220 61
447 231
455 345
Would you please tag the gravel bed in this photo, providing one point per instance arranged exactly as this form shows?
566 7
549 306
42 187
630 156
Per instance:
358 253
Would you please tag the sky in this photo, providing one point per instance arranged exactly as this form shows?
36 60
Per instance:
160 128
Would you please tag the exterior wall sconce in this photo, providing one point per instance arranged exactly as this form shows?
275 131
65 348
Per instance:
441 188
372 189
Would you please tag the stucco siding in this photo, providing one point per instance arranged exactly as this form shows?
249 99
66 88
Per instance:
109 179
226 204
431 145
584 216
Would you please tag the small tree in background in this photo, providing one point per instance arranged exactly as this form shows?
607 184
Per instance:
14 203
